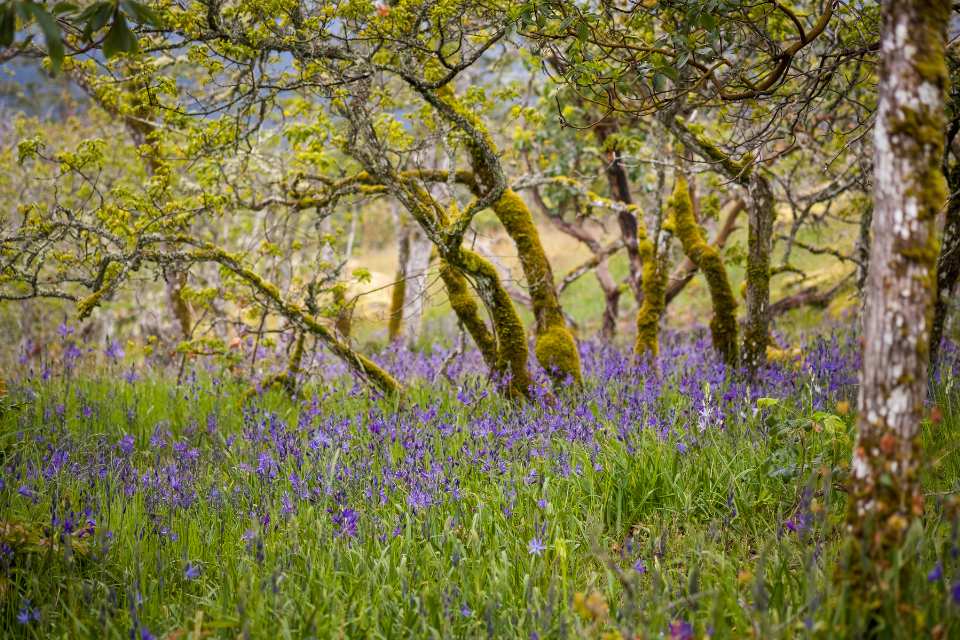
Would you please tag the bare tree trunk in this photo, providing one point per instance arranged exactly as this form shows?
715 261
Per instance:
909 191
399 288
627 220
611 297
415 293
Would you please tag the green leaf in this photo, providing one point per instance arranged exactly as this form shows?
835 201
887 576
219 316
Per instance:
96 16
763 403
62 8
51 33
119 38
8 25
141 13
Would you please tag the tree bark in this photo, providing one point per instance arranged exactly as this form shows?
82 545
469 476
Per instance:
399 288
948 268
415 291
909 191
761 215
684 274
760 218
723 325
619 183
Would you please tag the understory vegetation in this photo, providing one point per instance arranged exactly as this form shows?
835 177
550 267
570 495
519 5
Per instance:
662 499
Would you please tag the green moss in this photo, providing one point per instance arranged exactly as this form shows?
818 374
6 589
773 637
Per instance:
468 313
654 301
556 348
109 274
510 335
723 325
361 365
557 352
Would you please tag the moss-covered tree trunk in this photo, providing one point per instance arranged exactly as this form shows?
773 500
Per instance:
723 325
760 219
445 230
761 215
684 274
555 347
948 267
909 191
655 269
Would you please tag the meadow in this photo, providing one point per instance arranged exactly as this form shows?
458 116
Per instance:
662 499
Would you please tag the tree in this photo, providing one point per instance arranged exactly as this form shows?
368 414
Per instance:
909 192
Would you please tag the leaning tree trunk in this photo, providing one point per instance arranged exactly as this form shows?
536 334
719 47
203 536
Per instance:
723 326
554 346
909 191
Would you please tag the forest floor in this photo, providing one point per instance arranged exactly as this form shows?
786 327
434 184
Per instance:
672 501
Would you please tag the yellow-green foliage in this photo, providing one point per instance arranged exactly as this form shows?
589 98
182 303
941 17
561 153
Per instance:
723 326
654 300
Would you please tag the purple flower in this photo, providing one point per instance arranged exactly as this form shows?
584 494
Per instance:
955 592
28 614
114 351
192 572
936 573
465 611
681 630
126 444
535 547
639 566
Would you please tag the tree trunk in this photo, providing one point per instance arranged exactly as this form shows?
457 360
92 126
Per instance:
761 215
688 269
909 191
760 218
611 297
398 290
723 326
626 220
948 268
415 291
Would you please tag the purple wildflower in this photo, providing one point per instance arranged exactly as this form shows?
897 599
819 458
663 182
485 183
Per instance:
535 547
681 630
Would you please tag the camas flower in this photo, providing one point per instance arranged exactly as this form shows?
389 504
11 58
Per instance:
535 547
